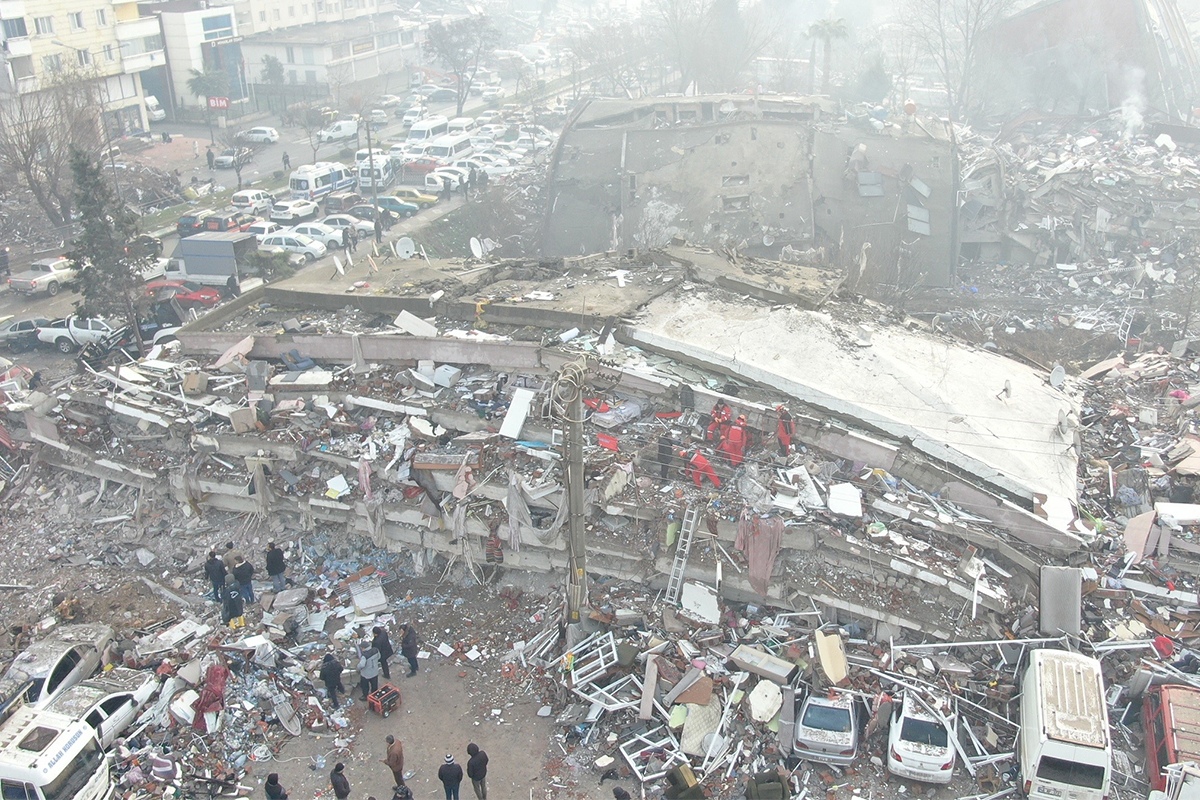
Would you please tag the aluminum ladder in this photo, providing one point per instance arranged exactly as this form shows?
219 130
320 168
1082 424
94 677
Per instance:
691 521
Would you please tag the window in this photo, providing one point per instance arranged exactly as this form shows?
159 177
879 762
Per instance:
52 63
220 27
290 55
14 28
310 76
262 16
110 53
308 56
152 43
291 11
390 39
12 790
84 57
304 9
407 37
101 18
44 26
275 13
76 20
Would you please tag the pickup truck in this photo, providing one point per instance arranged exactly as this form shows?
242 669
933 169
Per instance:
46 275
73 332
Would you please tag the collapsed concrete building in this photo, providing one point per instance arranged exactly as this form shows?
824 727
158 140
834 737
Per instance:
765 175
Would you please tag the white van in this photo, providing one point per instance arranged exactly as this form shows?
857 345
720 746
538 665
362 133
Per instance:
154 111
450 148
460 125
1063 749
49 756
362 155
378 175
428 128
317 180
341 129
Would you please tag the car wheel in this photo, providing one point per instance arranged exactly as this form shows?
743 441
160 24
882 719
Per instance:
309 258
65 346
408 213
52 289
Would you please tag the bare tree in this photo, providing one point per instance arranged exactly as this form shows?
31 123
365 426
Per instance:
38 130
711 42
243 152
901 54
616 51
459 46
949 32
311 122
682 28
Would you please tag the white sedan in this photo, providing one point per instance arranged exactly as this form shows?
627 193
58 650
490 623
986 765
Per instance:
289 242
294 211
339 221
108 702
259 135
326 235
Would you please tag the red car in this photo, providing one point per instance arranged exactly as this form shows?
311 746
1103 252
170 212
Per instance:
423 165
185 293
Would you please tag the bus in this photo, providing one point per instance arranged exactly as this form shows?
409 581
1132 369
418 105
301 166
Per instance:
45 755
460 125
428 128
312 181
377 172
448 148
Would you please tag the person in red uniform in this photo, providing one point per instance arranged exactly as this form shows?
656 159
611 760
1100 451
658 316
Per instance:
733 445
784 430
720 421
698 469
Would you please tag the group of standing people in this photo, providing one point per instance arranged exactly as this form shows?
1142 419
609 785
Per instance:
450 773
374 655
232 578
732 438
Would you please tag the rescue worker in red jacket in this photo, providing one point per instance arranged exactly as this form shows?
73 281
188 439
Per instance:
784 430
720 421
733 445
698 469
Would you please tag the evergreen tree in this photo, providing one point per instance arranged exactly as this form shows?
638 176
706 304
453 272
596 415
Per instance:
110 268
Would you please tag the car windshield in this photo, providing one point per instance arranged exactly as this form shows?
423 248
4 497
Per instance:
76 775
1070 772
922 731
827 718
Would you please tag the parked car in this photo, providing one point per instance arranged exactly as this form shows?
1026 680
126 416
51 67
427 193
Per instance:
293 211
340 201
259 135
427 88
252 201
21 334
413 115
340 221
411 194
341 129
186 293
109 702
231 157
71 333
50 666
491 93
326 235
289 242
192 222
456 177
487 117
919 746
264 227
47 275
366 211
444 96
397 206
827 729
389 101
378 117
409 102
422 165
229 221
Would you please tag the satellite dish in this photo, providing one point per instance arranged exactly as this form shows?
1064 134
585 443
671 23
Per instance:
1064 424
1008 388
489 245
768 240
476 248
405 248
1058 376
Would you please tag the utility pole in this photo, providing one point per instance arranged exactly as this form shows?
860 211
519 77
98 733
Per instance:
568 405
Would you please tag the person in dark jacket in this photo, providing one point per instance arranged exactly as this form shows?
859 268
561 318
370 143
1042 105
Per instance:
243 573
378 230
276 566
337 779
331 676
232 606
408 647
214 570
477 770
383 644
273 788
346 238
451 775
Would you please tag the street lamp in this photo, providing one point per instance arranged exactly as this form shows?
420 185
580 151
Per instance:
103 125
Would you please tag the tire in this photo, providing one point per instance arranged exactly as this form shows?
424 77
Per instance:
309 258
52 289
408 213
65 345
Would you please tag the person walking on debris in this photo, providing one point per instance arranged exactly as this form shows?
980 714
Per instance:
785 429
666 454
445 189
408 647
698 468
394 759
733 443
276 566
273 788
232 606
243 572
451 775
473 177
378 230
231 556
212 158
383 644
368 669
464 186
477 770
720 415
337 779
214 570
287 160
331 675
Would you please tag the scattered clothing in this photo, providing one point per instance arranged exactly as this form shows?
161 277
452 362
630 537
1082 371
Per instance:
759 538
